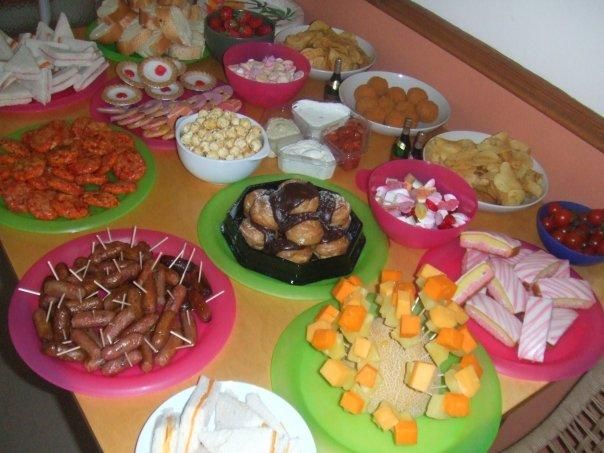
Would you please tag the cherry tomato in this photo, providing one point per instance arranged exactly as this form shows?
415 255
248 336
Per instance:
589 250
600 248
263 29
255 22
215 23
246 31
573 240
245 18
596 217
554 207
583 229
226 13
559 234
548 223
563 217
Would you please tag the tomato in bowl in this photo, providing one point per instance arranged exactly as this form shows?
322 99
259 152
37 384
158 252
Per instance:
347 141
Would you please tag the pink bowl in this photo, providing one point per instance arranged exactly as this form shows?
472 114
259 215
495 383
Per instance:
261 93
446 182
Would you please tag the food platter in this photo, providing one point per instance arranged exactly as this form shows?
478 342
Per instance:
59 100
97 216
477 137
372 257
295 376
396 80
156 143
292 421
73 376
577 351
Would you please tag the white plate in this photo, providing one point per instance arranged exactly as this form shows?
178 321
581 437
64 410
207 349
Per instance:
397 80
478 137
321 74
281 409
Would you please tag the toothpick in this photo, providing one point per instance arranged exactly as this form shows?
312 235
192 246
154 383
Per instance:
199 273
170 294
92 247
121 302
128 359
415 303
135 283
438 387
29 291
75 274
92 295
102 337
153 348
64 334
182 277
101 242
215 296
140 259
108 339
67 351
121 255
61 300
49 310
116 265
177 335
77 271
177 257
52 269
156 260
109 235
188 317
66 342
133 236
185 346
86 269
102 287
158 244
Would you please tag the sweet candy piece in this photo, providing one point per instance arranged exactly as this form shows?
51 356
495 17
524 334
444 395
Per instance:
439 288
157 72
450 338
562 319
352 318
533 337
442 316
165 93
367 376
472 258
491 316
121 94
505 287
471 360
464 381
490 242
538 264
328 313
323 339
566 292
472 281
388 275
468 344
437 352
198 81
436 407
127 71
410 326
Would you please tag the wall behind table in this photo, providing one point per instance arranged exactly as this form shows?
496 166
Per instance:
575 168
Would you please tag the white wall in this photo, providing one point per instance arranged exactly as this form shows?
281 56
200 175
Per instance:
560 40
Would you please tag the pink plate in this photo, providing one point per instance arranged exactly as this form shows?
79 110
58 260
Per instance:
156 143
73 376
59 100
578 350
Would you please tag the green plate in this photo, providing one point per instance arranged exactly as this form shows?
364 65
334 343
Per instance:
97 216
295 376
368 266
111 53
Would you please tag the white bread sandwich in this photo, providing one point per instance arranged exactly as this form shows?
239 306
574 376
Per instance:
472 282
566 292
133 38
14 94
472 258
255 403
562 319
495 319
44 32
62 29
147 17
196 414
490 242
40 88
165 432
506 288
89 74
535 327
23 64
244 440
232 413
174 24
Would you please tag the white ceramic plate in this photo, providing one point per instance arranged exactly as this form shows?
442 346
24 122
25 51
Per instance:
321 74
477 137
396 80
289 417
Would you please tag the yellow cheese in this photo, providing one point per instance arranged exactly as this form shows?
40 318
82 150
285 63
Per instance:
426 271
367 376
360 349
422 376
460 314
404 303
468 381
337 373
386 289
468 344
442 317
385 416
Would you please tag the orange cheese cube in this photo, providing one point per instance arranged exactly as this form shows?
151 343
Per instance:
439 287
352 317
328 313
337 373
405 432
352 402
468 344
456 405
427 271
324 339
390 275
342 289
385 416
471 360
313 327
355 280
367 376
468 381
450 339
421 376
407 287
460 314
442 317
404 302
410 326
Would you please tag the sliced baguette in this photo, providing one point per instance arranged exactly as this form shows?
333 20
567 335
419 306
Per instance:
133 38
174 25
195 13
114 10
155 46
147 17
185 52
106 32
40 88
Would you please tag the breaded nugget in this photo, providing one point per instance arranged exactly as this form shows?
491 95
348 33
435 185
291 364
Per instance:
416 94
397 94
379 84
427 111
365 104
364 91
394 119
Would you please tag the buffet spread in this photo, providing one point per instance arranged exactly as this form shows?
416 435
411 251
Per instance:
386 357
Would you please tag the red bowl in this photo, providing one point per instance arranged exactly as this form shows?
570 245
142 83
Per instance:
260 93
446 182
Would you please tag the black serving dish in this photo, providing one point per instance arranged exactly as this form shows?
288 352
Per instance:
273 266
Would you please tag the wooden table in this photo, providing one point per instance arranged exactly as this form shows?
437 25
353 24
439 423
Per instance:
174 206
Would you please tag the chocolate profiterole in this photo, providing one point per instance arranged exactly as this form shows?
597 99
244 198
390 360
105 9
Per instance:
296 221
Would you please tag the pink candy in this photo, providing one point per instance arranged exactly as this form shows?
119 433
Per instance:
270 70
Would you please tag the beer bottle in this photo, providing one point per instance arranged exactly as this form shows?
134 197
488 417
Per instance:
418 146
332 88
401 149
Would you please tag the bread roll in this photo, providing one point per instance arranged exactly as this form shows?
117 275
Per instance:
133 38
174 25
185 52
106 32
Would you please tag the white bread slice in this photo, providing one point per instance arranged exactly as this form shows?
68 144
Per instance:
114 10
106 32
23 62
89 74
185 52
14 94
155 46
62 29
147 17
255 403
196 414
137 5
248 440
196 13
174 25
40 88
65 84
80 45
232 413
6 52
165 432
133 38
44 32
63 74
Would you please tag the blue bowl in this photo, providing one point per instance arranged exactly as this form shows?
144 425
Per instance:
557 248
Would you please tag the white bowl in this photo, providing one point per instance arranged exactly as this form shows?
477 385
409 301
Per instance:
478 137
396 80
215 170
322 74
